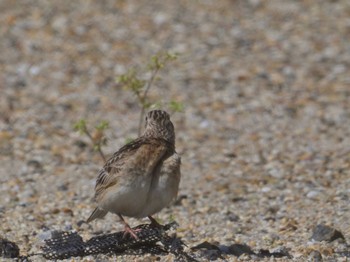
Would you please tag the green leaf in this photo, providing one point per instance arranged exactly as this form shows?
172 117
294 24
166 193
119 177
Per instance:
176 106
128 140
171 56
172 218
103 141
131 81
80 126
156 105
102 125
160 60
96 147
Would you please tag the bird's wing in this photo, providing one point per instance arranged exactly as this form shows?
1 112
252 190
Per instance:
138 158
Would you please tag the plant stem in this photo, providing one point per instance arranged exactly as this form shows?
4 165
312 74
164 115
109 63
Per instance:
98 148
101 153
149 84
141 120
143 98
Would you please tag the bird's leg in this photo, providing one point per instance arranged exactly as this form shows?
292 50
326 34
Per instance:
128 229
154 222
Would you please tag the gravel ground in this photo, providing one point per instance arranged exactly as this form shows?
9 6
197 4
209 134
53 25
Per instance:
264 137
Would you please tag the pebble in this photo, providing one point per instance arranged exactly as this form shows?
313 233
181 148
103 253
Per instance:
325 233
313 194
315 256
8 249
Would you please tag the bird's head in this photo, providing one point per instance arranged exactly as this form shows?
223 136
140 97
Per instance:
158 125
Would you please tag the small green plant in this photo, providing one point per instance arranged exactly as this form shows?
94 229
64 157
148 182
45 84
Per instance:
140 87
97 138
175 106
172 218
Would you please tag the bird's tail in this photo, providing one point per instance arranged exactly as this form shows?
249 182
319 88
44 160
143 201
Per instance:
98 213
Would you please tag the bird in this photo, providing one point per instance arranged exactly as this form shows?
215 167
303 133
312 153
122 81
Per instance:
142 177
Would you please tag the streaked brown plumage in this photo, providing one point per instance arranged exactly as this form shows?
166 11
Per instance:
142 177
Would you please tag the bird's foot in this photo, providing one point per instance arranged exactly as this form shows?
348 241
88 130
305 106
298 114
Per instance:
128 230
132 232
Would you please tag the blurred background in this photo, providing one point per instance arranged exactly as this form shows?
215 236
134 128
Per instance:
264 133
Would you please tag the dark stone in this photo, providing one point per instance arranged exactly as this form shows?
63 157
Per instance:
277 254
205 245
63 187
240 249
8 249
208 251
81 144
326 233
230 155
34 164
344 253
81 222
232 217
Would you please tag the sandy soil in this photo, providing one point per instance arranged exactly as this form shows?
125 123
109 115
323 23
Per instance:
264 136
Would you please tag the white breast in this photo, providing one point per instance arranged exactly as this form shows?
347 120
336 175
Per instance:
164 187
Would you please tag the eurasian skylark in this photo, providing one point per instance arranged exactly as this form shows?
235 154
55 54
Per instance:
142 177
